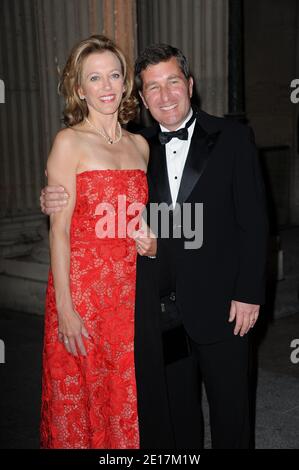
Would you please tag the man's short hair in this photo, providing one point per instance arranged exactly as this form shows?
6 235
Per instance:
156 53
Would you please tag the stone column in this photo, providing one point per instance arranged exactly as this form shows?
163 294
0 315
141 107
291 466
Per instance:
120 25
236 104
21 172
200 29
35 39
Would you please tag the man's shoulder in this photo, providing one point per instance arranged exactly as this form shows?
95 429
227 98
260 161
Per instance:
211 124
149 132
146 132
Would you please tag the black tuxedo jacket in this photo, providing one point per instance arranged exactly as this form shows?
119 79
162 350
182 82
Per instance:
221 172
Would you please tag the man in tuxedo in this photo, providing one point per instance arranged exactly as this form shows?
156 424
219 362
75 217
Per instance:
215 289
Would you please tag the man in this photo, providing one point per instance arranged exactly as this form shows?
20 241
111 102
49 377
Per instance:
217 288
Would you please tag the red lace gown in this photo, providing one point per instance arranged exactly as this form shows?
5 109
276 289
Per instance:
90 402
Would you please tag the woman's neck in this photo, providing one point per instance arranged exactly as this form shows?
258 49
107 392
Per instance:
106 123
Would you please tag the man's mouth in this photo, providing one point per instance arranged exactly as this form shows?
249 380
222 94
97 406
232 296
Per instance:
168 108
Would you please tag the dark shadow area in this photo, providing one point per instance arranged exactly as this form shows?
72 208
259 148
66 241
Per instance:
266 316
20 379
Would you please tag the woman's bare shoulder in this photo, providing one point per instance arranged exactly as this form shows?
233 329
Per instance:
64 148
66 136
140 143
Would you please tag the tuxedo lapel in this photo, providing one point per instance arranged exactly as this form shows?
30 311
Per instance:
197 160
202 143
158 170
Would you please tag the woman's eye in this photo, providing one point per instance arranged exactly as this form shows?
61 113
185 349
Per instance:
94 78
116 75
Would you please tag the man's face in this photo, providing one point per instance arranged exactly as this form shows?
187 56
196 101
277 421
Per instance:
166 93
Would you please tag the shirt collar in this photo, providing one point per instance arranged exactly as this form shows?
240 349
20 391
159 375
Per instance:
164 129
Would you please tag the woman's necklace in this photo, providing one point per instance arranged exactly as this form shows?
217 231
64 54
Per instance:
103 134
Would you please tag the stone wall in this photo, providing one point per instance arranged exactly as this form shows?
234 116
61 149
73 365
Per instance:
271 63
35 39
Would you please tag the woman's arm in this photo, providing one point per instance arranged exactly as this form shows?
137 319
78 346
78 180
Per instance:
61 167
146 240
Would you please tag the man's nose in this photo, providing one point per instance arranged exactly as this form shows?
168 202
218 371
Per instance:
164 94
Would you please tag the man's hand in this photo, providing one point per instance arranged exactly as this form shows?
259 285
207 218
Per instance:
245 315
53 199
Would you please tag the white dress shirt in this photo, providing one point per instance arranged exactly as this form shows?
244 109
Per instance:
176 155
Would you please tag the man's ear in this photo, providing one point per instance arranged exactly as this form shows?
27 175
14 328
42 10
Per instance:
190 86
143 99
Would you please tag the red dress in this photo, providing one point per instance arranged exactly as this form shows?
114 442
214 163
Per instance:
90 402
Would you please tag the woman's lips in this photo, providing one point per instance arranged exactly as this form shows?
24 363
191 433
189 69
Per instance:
107 98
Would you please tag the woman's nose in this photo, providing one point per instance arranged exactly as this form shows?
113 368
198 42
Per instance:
106 83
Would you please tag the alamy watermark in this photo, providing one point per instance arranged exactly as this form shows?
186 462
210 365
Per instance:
2 91
183 221
295 93
2 352
294 357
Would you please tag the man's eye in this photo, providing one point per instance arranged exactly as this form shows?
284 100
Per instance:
153 87
173 82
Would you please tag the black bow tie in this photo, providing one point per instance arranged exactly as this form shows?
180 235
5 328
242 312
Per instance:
182 133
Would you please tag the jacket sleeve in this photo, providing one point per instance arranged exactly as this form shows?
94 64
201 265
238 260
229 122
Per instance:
251 219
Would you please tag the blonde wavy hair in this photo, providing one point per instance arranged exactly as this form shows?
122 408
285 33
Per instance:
75 109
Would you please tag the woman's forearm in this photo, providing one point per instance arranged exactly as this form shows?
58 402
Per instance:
60 264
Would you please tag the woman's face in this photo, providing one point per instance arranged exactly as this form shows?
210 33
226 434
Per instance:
102 82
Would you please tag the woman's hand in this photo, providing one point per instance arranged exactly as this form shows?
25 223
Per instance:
146 245
70 331
146 240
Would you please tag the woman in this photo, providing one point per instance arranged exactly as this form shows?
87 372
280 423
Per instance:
89 390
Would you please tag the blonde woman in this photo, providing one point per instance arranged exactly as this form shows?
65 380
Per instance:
89 389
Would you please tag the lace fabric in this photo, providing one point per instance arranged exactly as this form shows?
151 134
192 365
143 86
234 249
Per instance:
91 402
